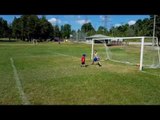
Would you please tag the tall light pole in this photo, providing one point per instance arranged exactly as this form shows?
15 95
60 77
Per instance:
105 21
112 29
154 25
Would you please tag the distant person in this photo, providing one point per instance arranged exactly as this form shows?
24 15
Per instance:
83 61
96 58
59 41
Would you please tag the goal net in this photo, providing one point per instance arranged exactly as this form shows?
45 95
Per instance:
141 51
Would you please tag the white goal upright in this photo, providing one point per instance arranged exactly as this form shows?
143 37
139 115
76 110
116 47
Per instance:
142 51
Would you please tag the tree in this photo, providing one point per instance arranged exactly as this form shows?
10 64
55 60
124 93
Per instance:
25 27
31 25
91 32
17 28
9 32
143 27
130 32
101 30
66 31
46 29
3 28
57 32
73 33
88 28
62 31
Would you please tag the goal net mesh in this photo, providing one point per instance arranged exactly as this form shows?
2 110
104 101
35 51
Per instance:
128 51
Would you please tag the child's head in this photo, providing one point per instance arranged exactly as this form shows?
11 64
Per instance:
84 55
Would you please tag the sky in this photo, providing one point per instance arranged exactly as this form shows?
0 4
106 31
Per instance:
76 21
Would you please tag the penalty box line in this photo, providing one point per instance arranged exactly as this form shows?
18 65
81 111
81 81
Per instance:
78 58
19 85
66 55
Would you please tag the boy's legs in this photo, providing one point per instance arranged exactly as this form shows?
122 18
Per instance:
99 64
92 63
94 60
83 64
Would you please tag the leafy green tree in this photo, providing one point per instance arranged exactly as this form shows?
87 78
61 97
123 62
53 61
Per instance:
3 28
9 32
88 29
101 30
62 31
73 33
57 32
31 25
17 28
46 29
25 27
91 32
66 31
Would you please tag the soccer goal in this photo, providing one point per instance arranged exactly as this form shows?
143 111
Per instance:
141 51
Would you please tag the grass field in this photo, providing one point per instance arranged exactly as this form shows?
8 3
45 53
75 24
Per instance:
50 74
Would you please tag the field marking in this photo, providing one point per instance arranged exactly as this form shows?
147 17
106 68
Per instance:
150 73
66 55
18 84
78 58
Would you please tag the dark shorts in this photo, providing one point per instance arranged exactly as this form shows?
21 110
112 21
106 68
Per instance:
95 59
83 63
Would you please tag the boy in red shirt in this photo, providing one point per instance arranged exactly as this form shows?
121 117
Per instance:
83 60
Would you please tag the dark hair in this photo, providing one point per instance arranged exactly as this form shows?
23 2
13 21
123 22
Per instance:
84 54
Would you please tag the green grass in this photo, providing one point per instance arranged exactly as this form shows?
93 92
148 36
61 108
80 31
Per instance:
51 74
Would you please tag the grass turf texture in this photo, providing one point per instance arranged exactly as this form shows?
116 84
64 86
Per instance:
51 74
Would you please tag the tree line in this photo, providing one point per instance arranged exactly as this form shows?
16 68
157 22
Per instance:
29 27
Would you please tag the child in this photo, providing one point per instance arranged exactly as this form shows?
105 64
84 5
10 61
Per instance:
83 60
96 59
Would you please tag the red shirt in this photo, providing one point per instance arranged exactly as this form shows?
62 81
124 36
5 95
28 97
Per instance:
83 59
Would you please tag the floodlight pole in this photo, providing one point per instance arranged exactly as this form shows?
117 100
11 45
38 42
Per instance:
154 25
158 50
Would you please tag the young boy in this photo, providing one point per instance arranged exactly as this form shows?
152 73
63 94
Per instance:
96 59
83 60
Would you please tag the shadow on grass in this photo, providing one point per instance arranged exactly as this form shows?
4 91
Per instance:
7 40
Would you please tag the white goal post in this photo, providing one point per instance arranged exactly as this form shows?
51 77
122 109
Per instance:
142 41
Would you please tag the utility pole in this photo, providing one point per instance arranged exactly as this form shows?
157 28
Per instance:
105 21
86 19
154 25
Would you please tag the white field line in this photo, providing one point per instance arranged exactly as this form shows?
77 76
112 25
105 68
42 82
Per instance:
150 73
18 84
70 56
66 55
